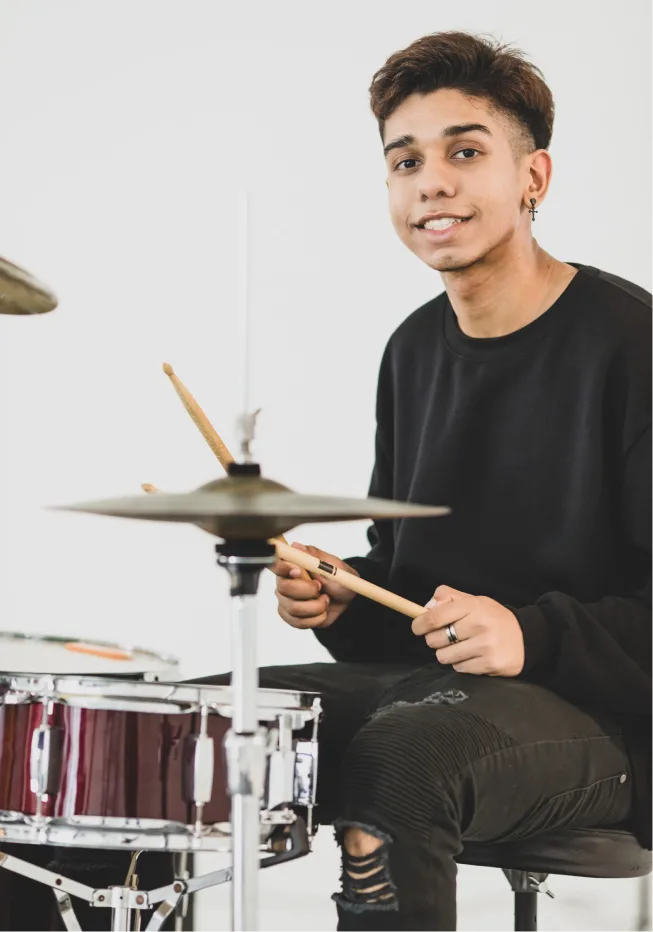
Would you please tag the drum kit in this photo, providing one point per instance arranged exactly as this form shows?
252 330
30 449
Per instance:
101 747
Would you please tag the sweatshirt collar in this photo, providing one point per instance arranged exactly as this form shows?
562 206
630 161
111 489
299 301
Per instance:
519 340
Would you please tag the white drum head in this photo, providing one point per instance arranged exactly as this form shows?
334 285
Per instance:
25 653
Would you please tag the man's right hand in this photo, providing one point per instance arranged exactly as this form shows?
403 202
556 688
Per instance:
314 603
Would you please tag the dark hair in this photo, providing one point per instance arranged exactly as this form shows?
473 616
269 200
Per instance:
478 67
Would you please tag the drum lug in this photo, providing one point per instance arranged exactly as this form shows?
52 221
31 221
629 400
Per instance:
45 759
305 773
281 768
203 770
246 762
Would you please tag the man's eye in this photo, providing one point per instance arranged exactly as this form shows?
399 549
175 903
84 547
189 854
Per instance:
467 149
402 162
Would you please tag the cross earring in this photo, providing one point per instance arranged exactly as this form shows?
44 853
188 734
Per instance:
532 210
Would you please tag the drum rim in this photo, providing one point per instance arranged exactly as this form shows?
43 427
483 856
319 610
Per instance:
137 834
76 687
167 660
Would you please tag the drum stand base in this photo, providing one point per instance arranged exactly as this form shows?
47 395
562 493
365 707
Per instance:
126 902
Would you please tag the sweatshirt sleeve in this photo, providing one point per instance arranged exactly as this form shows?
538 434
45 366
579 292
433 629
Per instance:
364 630
599 653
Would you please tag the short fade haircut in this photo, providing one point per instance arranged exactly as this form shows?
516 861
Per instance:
479 67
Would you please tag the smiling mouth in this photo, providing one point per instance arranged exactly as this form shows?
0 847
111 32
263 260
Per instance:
439 229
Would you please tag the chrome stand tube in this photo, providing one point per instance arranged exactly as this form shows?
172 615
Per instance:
121 919
245 743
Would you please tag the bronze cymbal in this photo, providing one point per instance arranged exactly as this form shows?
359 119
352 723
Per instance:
21 293
251 507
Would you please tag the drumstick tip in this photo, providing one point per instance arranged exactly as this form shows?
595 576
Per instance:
167 368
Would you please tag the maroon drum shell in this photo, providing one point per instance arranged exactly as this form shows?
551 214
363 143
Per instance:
111 763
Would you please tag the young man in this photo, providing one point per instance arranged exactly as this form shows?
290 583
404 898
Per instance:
519 701
520 397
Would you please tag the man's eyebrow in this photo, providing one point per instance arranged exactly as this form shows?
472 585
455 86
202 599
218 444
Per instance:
447 132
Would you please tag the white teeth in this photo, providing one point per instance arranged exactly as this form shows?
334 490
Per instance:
442 223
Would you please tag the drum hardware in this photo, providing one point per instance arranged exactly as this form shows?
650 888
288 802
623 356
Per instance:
291 843
131 872
282 761
65 908
131 881
45 763
202 770
306 761
182 873
44 757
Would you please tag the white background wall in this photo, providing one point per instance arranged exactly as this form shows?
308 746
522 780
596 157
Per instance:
127 130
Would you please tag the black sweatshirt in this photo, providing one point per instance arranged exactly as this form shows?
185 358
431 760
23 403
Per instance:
540 443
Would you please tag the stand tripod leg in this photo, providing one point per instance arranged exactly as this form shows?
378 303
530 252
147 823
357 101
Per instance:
182 872
168 906
49 878
66 911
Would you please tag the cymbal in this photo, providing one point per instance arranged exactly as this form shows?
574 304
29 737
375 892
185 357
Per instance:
251 507
21 293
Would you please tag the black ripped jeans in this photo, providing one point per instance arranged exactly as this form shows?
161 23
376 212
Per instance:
427 758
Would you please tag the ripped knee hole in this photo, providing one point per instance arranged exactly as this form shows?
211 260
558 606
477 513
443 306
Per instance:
366 881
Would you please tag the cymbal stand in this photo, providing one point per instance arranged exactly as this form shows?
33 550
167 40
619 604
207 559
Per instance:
245 742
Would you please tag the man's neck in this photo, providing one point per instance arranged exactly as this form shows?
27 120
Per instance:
495 298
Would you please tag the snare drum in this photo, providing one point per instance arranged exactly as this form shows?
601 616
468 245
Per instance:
32 653
110 763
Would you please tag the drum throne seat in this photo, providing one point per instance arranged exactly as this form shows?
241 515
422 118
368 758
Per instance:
587 852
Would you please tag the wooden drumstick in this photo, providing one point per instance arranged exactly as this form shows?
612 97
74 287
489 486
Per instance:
200 419
205 427
349 580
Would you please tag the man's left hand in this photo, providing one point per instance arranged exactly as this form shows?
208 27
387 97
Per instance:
490 639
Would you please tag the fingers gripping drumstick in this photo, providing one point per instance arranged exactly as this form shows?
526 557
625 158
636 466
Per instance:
205 427
348 580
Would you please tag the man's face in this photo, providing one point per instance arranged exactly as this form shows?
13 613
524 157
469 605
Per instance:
470 174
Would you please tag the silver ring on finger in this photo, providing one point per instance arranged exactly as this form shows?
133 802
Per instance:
451 634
